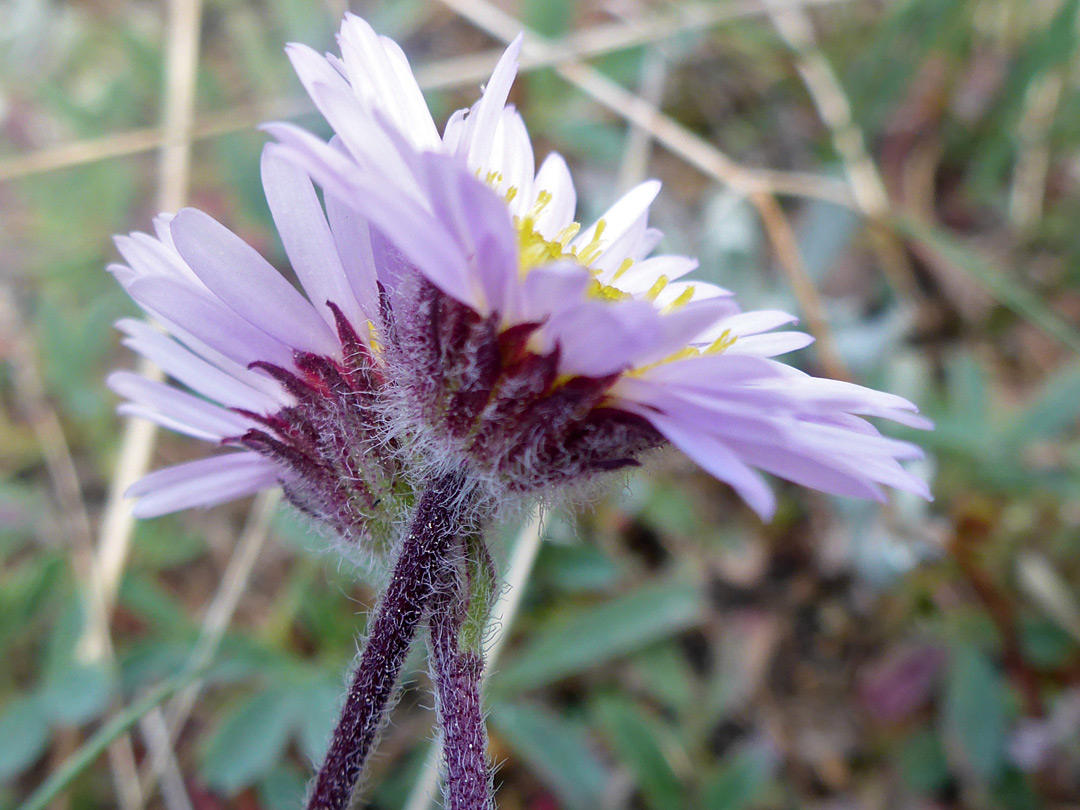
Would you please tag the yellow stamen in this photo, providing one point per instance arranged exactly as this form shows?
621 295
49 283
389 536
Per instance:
684 298
607 292
564 236
718 346
373 341
591 252
534 250
620 271
725 341
656 288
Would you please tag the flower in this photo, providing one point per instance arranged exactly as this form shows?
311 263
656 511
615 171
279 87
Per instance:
290 387
458 318
534 353
460 342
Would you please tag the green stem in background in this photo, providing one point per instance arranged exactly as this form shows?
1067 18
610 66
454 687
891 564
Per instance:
62 777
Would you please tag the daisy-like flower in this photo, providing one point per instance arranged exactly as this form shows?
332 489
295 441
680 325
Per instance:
289 388
463 343
532 351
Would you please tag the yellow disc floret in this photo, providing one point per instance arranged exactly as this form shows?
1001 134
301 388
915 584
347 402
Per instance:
535 250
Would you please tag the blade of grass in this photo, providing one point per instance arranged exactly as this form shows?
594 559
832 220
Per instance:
62 777
1007 292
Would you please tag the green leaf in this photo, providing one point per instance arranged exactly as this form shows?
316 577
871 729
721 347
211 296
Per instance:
665 673
249 742
77 693
24 733
320 705
283 789
578 567
636 739
1044 643
1053 411
555 751
923 766
671 510
974 714
1007 292
549 18
740 781
574 643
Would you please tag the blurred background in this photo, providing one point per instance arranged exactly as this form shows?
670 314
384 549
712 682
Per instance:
905 174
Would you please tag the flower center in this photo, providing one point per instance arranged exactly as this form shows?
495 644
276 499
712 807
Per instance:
535 250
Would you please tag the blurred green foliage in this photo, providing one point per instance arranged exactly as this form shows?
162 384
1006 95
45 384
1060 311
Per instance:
671 651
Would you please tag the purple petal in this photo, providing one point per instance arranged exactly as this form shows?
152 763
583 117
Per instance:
480 224
718 460
250 285
209 321
549 289
598 338
193 371
307 238
204 483
194 416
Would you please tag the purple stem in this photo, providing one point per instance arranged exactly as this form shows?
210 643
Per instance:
457 672
420 561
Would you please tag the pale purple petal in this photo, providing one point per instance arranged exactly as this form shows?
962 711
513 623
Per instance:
512 159
813 472
193 371
680 327
379 73
700 291
202 483
149 257
622 217
836 395
757 321
420 126
209 320
248 284
454 132
646 244
718 460
771 345
421 238
640 277
306 236
353 239
209 421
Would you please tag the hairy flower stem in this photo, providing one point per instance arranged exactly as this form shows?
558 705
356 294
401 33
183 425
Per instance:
457 665
422 558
